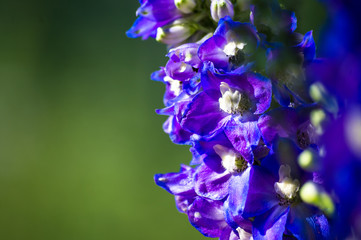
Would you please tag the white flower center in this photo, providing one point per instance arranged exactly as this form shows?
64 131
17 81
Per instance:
188 56
175 85
286 187
231 48
231 161
183 67
232 101
243 235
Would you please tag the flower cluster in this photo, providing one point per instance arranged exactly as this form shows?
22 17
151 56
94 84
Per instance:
275 146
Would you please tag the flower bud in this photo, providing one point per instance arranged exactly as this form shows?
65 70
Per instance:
313 194
185 6
318 118
176 32
308 160
221 8
319 94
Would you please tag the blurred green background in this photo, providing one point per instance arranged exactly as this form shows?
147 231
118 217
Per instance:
79 139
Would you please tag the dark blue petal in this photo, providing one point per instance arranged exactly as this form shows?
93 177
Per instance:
204 148
159 10
238 190
186 53
261 195
228 234
182 203
271 225
158 75
243 136
281 94
207 217
203 115
210 184
179 70
252 192
176 133
144 28
304 224
180 183
238 32
236 221
280 122
209 51
308 47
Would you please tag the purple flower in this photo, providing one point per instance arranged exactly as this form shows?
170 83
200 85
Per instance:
224 97
230 45
274 205
289 123
153 14
183 62
177 95
260 174
206 215
221 161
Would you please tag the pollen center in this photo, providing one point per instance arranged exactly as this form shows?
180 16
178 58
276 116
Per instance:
175 85
231 161
232 101
286 188
231 48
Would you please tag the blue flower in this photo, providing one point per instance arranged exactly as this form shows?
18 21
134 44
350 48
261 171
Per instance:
274 203
206 215
289 123
226 96
230 45
221 160
153 14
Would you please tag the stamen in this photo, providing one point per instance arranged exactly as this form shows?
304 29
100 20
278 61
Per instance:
231 161
286 188
232 101
243 235
233 51
231 48
175 85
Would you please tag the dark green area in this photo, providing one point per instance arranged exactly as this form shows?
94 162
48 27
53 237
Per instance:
79 139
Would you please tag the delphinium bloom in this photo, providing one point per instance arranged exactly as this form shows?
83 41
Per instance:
271 198
263 115
203 213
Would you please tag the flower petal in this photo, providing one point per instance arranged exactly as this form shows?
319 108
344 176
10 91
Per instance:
252 192
243 136
180 183
203 115
271 225
209 184
207 216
